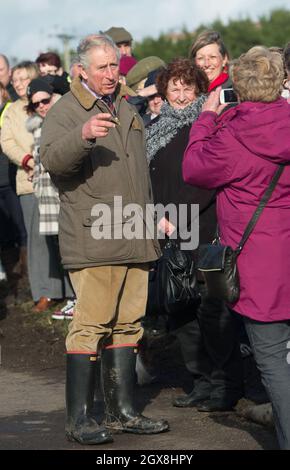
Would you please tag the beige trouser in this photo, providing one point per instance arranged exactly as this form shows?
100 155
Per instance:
111 300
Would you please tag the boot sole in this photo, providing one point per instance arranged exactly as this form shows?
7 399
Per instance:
142 431
72 438
193 404
136 430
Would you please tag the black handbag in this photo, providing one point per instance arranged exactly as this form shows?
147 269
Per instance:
218 263
173 282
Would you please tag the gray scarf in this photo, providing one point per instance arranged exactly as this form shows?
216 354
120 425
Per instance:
171 120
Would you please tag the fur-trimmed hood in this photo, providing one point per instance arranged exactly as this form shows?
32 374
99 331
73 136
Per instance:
33 123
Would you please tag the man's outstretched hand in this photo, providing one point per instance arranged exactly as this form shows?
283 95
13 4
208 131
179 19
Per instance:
97 126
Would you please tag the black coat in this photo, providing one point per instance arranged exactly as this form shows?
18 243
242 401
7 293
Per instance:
169 187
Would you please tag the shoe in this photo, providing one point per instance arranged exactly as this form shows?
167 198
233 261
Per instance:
43 304
217 404
191 400
66 313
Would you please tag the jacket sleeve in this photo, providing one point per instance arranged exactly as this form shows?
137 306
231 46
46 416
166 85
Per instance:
9 144
62 148
208 159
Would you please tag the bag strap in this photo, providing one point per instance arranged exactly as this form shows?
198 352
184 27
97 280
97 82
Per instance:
260 208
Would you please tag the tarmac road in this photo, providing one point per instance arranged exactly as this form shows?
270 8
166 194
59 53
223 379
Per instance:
32 417
32 407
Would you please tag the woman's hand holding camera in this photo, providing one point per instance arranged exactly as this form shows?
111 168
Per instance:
213 102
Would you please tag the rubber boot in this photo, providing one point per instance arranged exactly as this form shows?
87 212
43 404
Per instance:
119 382
98 411
80 382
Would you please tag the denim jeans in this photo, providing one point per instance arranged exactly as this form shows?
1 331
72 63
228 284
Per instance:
270 343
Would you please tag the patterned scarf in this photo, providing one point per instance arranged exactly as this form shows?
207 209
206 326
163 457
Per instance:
171 120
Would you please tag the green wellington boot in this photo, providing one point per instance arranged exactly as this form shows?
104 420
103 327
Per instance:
80 385
119 382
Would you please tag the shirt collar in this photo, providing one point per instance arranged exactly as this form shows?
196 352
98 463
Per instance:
96 95
85 85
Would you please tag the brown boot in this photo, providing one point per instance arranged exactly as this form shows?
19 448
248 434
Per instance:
43 304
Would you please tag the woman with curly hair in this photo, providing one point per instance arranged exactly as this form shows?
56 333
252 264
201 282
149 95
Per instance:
183 85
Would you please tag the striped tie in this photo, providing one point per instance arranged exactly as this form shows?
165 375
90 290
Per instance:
108 100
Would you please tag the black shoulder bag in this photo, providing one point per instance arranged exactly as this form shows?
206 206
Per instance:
218 263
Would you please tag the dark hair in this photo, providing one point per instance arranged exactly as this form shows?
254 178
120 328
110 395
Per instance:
205 38
36 85
184 70
50 58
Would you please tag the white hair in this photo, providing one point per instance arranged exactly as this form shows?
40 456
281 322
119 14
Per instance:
91 41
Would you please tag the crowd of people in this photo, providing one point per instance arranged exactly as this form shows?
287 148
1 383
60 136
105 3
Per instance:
150 132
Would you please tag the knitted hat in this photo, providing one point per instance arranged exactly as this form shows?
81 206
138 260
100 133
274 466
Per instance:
59 83
38 84
119 34
141 70
126 63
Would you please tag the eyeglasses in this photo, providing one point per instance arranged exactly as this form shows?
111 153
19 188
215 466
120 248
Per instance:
37 103
20 80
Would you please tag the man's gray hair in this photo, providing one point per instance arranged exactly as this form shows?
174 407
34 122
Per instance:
91 41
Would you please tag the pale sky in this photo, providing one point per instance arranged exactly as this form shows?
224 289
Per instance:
29 27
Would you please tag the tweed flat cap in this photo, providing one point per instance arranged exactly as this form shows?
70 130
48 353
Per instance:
141 70
119 34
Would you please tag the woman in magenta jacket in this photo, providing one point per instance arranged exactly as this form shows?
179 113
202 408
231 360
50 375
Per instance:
238 153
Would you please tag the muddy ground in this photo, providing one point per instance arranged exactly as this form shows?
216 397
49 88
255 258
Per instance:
32 377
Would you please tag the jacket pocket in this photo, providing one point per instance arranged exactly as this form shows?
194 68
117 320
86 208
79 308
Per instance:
136 125
104 239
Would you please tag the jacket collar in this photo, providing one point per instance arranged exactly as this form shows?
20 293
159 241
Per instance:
87 99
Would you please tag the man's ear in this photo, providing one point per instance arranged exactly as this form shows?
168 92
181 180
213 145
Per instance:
83 73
